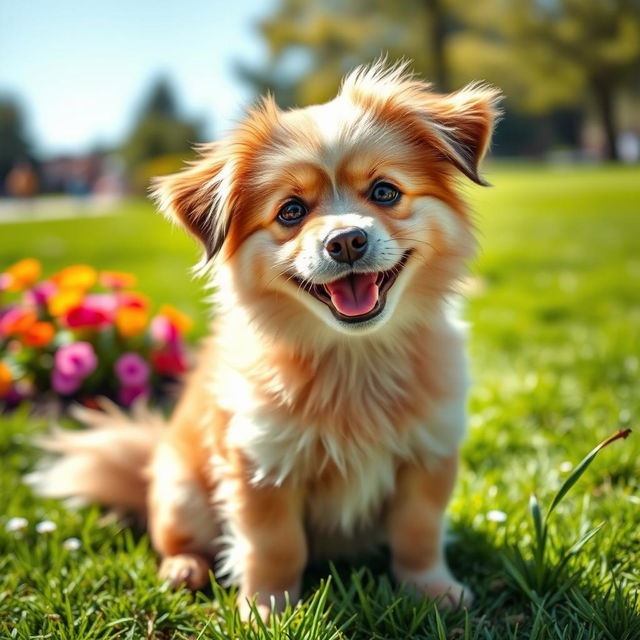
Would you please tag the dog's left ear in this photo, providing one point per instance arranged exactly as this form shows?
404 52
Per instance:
198 197
462 123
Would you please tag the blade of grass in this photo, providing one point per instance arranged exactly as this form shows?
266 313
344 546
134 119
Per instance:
582 467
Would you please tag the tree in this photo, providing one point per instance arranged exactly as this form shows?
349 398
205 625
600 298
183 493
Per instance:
14 148
567 49
312 45
159 129
545 54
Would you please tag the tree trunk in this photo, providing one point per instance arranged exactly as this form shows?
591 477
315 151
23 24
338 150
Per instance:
437 38
603 93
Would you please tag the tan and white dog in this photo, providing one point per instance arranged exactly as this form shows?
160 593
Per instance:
328 403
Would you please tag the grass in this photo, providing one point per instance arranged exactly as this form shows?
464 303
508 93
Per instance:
555 309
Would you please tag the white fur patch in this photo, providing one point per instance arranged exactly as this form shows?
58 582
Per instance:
367 469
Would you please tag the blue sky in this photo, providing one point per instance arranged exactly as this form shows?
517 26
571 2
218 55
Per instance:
81 69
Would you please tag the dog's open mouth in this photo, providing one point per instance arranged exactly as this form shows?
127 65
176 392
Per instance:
358 296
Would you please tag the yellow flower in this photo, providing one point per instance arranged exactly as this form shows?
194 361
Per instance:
64 300
78 276
130 321
181 321
23 274
5 378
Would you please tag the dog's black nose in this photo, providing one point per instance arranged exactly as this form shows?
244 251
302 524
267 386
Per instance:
346 245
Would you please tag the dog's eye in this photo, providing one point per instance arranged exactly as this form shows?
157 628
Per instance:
292 212
384 193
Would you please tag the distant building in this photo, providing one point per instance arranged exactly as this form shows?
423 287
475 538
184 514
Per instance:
96 173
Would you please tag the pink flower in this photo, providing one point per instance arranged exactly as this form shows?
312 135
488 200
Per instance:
127 395
5 281
96 311
163 331
132 370
106 302
76 360
40 293
63 384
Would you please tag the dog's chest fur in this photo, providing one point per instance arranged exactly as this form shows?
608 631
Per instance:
342 422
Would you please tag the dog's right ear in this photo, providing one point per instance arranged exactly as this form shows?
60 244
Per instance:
199 197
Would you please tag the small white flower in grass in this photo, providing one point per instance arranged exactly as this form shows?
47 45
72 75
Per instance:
71 544
46 526
496 516
566 466
16 524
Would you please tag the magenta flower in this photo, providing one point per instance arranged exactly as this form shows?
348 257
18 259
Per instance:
127 395
63 384
76 360
132 370
40 293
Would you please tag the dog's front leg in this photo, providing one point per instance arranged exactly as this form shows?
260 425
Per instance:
269 548
416 530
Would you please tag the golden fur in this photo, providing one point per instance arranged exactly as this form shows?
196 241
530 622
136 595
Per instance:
301 432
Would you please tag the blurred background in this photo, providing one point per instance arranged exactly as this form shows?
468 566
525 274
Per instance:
97 97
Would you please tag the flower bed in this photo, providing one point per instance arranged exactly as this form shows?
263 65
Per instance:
80 334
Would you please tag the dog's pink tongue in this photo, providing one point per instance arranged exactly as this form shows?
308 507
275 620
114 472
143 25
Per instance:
354 295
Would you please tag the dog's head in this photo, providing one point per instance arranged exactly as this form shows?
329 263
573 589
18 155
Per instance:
343 210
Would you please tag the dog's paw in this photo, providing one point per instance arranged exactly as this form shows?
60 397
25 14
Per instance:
266 603
449 594
187 569
438 584
247 612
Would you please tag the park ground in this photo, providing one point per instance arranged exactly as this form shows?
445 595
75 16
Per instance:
554 307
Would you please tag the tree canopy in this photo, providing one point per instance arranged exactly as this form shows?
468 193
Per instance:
545 54
160 130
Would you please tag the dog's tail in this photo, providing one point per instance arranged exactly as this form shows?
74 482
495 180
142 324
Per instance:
104 463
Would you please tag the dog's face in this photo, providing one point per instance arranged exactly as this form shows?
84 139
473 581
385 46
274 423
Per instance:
345 212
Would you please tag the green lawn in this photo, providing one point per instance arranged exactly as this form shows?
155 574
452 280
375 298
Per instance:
555 343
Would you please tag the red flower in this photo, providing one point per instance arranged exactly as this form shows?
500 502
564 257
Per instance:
133 299
169 361
96 312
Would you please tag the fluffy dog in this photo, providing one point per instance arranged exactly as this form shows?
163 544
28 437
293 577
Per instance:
328 403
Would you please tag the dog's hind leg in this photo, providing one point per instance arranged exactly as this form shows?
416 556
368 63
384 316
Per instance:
182 522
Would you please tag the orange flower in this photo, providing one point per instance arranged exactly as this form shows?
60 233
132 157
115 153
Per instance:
39 334
78 276
16 321
181 321
131 321
5 378
63 301
23 274
117 280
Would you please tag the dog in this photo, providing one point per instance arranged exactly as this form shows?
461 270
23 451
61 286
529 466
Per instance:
327 407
